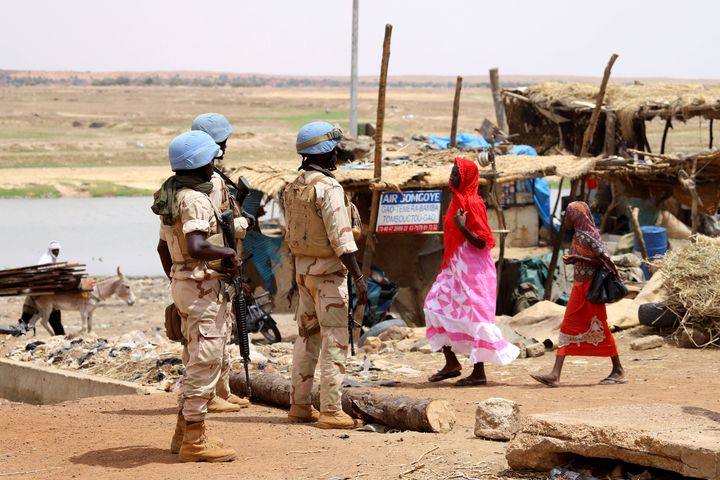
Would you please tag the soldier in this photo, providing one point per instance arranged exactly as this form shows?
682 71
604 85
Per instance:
188 219
219 128
319 235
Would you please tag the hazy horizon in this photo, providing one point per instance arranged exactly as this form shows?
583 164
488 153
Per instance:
312 38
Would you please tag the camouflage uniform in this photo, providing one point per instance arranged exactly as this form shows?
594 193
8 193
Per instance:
323 298
198 294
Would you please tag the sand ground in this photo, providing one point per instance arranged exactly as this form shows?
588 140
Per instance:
127 437
71 138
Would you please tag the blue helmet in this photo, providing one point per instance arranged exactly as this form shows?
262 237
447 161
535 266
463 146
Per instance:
192 150
317 137
214 124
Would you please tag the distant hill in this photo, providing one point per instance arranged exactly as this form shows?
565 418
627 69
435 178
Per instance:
213 79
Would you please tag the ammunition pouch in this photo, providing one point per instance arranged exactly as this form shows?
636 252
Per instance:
173 324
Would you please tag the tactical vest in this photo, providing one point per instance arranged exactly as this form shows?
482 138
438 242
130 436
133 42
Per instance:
306 235
179 251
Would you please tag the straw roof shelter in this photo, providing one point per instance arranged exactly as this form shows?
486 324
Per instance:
550 115
426 171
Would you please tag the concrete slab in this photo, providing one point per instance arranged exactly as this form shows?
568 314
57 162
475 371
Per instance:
28 383
681 439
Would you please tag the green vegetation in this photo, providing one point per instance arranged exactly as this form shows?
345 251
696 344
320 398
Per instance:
297 121
6 134
100 188
32 190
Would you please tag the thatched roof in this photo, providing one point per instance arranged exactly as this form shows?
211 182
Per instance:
431 170
682 101
662 175
668 167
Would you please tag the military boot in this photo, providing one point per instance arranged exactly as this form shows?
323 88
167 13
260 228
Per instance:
339 420
243 402
303 413
177 438
197 448
219 405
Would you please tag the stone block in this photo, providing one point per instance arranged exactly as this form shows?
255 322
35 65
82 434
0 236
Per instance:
680 439
535 350
646 343
497 419
405 345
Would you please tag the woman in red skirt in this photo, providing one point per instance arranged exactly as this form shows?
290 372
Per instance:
584 330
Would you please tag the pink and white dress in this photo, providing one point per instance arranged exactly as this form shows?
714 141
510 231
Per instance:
460 308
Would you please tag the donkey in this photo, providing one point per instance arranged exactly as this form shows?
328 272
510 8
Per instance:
85 303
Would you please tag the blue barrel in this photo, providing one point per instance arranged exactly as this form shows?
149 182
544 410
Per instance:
655 243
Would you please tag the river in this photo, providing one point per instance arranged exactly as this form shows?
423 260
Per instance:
102 233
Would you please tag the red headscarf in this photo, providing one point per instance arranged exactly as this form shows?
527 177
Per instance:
467 198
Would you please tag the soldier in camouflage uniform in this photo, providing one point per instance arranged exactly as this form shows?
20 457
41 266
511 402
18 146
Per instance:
319 235
219 128
188 219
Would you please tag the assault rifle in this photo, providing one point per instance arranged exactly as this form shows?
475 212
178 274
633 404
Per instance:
351 316
227 223
240 193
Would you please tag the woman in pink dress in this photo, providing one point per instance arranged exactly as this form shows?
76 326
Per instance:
460 308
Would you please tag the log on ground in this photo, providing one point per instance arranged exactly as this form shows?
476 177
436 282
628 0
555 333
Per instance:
401 412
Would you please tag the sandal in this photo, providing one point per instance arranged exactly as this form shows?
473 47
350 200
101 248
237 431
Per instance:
470 382
440 375
612 381
541 378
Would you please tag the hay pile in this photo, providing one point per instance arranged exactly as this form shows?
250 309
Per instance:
692 279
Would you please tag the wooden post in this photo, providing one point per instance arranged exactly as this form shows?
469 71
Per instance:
590 131
634 212
668 126
688 181
455 113
500 216
497 100
552 217
711 133
611 207
584 152
694 215
377 173
354 72
610 122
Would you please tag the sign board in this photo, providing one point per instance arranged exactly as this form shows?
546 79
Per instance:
409 212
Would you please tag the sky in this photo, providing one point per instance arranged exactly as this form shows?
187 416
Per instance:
654 38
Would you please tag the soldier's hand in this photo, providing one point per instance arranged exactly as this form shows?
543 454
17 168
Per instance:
234 264
361 290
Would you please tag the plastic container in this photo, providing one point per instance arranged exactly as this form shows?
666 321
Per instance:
655 244
655 240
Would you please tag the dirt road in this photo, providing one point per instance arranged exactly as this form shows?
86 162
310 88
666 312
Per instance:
128 437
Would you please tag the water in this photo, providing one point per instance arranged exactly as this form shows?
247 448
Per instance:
102 233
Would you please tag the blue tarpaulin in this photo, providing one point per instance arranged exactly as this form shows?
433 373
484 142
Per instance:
541 196
465 139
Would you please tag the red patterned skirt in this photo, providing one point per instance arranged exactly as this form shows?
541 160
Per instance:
584 330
